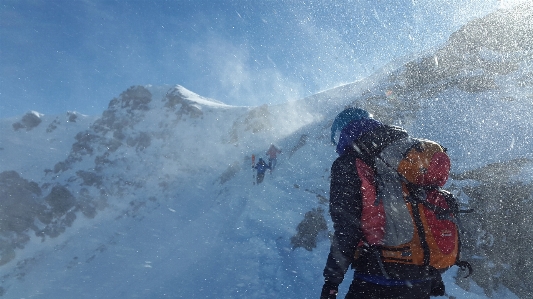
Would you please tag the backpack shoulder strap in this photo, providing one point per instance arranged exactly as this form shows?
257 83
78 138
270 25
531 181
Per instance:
371 143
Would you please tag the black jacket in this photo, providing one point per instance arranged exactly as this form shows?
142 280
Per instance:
345 206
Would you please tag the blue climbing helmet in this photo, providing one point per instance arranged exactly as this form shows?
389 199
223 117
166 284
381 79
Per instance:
345 117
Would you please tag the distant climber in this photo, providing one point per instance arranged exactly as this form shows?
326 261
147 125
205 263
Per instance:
261 168
272 154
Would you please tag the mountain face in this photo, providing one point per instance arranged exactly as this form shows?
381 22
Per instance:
165 150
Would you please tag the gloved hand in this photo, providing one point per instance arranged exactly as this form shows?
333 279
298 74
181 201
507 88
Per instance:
329 290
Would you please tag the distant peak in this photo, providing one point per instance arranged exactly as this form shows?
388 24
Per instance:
192 96
29 121
37 114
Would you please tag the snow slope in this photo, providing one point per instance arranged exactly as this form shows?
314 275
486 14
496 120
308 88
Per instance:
195 235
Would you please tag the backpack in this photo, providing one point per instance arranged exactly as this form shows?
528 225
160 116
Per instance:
406 216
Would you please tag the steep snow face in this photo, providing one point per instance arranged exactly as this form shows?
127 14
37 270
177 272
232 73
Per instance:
156 199
184 161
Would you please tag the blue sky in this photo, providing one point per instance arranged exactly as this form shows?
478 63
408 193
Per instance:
74 55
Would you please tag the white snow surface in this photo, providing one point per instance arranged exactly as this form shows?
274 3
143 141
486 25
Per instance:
198 237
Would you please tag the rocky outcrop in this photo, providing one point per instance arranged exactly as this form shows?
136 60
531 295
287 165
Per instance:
29 121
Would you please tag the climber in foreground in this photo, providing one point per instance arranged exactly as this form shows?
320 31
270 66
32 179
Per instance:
393 224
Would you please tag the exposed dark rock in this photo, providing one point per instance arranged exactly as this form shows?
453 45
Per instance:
60 166
72 116
89 178
52 126
309 229
84 143
134 98
29 121
61 200
141 141
18 204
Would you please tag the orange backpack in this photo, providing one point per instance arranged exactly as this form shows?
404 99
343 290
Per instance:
406 215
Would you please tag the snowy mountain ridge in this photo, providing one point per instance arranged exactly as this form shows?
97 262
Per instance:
155 199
